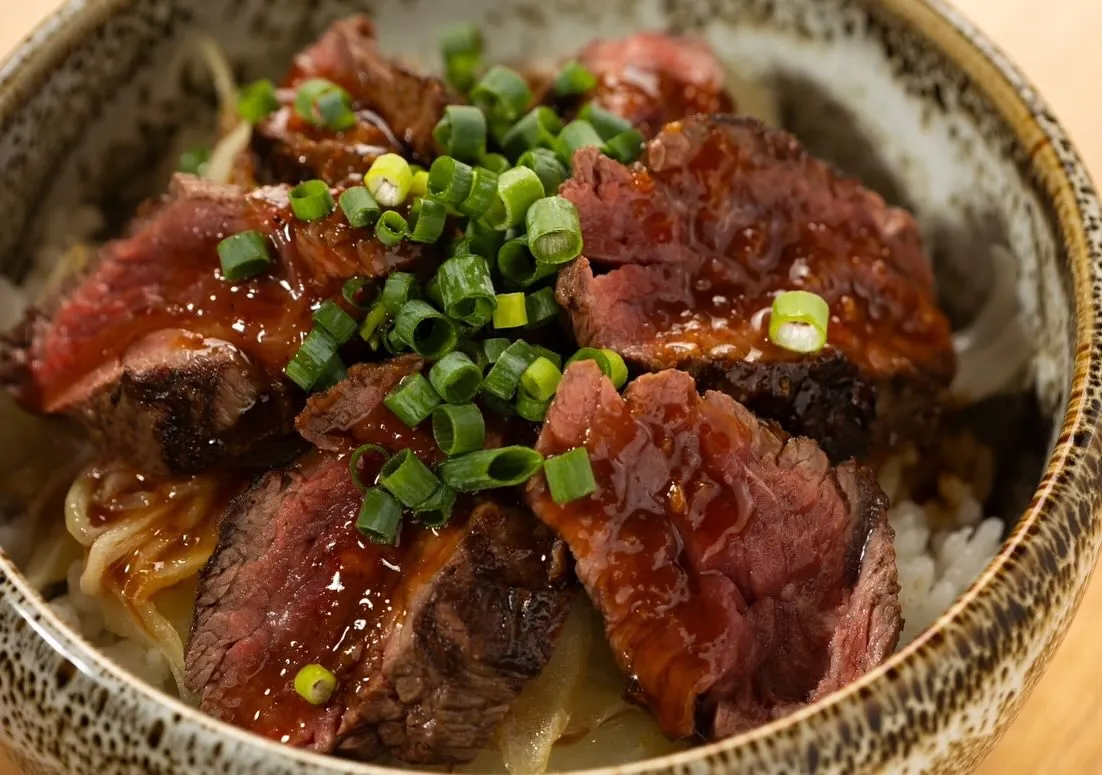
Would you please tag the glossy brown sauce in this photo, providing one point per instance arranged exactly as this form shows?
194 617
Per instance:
168 276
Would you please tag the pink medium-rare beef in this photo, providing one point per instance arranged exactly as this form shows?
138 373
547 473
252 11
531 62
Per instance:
687 250
739 576
653 78
396 110
189 363
430 640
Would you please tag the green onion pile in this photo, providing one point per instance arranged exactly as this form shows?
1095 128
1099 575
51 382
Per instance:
492 200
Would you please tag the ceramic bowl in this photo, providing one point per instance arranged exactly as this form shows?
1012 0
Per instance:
904 93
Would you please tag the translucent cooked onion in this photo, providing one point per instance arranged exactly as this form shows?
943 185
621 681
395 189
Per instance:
222 157
995 349
145 544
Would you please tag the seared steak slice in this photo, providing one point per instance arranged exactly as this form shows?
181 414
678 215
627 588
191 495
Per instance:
189 364
739 576
430 640
396 108
653 78
696 241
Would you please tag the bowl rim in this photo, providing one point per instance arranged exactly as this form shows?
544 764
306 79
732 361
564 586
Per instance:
1067 185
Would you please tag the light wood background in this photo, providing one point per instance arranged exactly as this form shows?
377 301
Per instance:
1059 45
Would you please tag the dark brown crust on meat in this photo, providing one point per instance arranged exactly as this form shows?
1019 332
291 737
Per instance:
183 414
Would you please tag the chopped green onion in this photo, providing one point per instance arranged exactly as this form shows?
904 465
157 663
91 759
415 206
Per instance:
412 400
311 201
432 291
354 462
609 361
316 355
372 323
494 348
547 167
574 136
461 133
625 147
494 162
389 179
799 321
484 240
531 409
554 231
538 129
541 379
466 290
334 372
460 247
315 684
458 428
380 516
516 264
450 180
570 476
462 70
517 190
504 377
541 307
607 123
489 468
498 405
408 479
502 94
194 160
426 331
429 217
419 186
244 255
460 38
392 343
550 355
400 287
359 291
511 311
257 100
324 104
335 321
440 504
391 228
359 207
574 79
483 190
456 378
617 369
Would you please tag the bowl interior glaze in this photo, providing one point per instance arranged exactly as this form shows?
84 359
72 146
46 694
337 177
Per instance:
925 112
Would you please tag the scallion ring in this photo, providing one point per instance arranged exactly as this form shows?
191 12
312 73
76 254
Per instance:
502 94
450 180
537 129
257 101
466 290
359 207
511 311
408 479
799 321
436 510
456 378
458 428
490 468
547 167
541 307
494 162
315 684
429 217
574 136
331 318
380 516
625 147
504 376
483 191
389 179
541 379
570 476
554 231
324 104
426 331
244 255
391 228
311 200
531 409
573 79
400 287
493 348
412 400
357 456
316 356
607 123
461 133
517 190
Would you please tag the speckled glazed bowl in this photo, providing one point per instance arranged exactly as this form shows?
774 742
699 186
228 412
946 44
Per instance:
901 92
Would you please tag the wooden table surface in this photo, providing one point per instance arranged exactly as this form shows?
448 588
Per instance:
1057 43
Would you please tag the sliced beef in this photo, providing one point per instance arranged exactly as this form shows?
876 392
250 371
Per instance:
172 366
430 640
687 250
396 108
740 576
654 78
